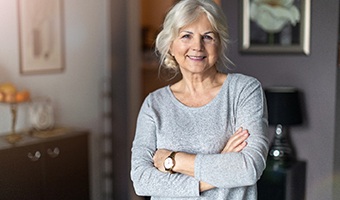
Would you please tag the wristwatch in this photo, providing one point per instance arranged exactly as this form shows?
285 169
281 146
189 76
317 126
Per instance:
169 162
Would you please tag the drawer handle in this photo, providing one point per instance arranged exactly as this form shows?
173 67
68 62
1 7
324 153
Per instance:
34 157
53 153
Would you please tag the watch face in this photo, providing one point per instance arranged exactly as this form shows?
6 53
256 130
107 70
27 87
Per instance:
168 163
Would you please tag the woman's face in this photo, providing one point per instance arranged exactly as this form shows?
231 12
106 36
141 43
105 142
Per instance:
196 47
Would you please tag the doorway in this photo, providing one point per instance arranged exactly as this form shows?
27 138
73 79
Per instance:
152 13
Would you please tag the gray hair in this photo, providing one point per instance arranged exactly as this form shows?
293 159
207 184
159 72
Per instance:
184 13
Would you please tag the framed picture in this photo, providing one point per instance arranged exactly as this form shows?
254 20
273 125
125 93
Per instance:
269 27
40 36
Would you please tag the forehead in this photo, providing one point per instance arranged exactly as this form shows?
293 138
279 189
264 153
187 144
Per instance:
202 23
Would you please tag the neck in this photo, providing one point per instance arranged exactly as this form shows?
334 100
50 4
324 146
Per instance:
196 91
197 83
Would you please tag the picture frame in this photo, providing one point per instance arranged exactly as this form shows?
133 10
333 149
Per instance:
258 36
41 42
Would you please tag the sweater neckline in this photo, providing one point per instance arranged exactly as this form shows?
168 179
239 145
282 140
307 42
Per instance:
213 101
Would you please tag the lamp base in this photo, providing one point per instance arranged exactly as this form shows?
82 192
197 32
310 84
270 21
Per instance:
281 148
13 138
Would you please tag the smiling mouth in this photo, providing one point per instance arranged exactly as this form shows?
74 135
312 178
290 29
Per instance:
197 57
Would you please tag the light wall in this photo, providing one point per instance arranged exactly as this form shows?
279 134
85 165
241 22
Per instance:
75 92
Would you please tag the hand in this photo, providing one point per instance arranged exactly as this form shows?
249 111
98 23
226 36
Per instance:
235 144
159 157
237 141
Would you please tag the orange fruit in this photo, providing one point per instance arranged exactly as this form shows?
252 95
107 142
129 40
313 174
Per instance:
22 96
10 97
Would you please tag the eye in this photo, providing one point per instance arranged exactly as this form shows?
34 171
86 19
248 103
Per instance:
185 36
207 38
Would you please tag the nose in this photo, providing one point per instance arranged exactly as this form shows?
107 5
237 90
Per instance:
197 44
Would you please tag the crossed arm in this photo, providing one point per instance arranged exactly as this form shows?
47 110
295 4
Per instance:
185 163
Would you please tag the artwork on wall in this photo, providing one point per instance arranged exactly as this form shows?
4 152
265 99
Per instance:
40 36
272 26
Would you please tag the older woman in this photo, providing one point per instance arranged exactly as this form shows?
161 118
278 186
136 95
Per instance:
204 137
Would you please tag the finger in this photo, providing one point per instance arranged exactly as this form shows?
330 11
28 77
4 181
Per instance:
236 148
233 137
239 130
235 141
240 147
240 138
237 138
242 134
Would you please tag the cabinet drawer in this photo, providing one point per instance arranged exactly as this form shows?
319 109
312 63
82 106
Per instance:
47 169
66 169
20 173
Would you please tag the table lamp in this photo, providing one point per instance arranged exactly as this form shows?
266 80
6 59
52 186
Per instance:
284 110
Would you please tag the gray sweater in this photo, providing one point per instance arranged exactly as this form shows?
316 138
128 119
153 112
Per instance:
166 123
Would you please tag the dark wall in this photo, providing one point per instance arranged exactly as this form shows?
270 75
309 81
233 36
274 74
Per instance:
316 76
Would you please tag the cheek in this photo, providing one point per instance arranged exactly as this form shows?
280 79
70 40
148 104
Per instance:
181 51
178 49
213 54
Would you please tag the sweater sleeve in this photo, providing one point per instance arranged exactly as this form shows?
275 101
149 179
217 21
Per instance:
147 180
243 168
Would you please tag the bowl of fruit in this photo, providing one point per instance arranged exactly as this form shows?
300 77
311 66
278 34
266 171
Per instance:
10 94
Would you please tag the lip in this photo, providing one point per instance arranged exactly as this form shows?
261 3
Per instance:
196 57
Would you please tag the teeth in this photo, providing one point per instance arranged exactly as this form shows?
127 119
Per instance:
197 57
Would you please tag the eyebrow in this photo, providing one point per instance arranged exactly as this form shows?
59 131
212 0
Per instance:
208 32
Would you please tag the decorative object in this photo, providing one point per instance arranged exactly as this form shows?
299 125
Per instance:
284 110
285 176
41 114
40 36
284 183
13 137
10 95
275 26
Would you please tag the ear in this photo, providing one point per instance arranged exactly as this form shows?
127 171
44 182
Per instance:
170 51
171 54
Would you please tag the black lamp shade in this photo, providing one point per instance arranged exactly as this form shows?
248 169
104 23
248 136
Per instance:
283 106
